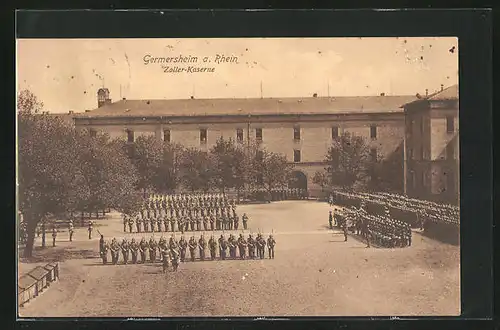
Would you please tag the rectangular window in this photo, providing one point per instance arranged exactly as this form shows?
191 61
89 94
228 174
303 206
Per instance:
373 132
373 154
450 124
296 133
130 136
258 134
166 135
422 153
203 136
410 153
239 135
93 133
296 156
335 132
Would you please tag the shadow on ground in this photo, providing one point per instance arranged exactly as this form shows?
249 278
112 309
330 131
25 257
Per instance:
53 254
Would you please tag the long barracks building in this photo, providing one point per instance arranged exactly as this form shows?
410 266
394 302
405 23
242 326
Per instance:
300 128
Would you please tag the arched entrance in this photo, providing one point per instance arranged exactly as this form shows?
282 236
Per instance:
298 180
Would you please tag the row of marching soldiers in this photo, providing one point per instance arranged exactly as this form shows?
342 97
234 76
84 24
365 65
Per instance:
188 201
167 251
383 230
188 222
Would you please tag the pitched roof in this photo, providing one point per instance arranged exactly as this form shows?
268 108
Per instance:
449 93
251 106
65 117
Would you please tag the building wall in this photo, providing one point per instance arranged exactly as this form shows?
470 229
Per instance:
426 131
315 136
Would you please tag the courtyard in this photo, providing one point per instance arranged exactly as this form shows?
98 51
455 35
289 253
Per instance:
315 273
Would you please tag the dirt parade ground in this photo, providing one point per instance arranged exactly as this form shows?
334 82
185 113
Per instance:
314 273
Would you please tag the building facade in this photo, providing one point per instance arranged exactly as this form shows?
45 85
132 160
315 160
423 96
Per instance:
301 129
432 147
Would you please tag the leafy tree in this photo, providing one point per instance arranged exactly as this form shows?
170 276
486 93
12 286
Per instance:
348 161
271 170
48 165
166 178
195 169
147 156
321 178
228 165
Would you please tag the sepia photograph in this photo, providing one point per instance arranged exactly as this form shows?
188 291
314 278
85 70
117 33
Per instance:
230 177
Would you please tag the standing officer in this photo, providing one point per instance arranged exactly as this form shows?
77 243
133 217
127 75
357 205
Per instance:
212 244
202 245
344 228
236 220
125 221
134 248
223 247
71 228
244 219
183 245
138 224
125 250
212 223
242 244
91 229
270 245
143 248
192 247
261 244
251 247
130 223
115 250
104 251
152 249
54 235
232 246
330 219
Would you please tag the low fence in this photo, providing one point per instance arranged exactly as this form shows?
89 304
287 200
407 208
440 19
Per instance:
32 284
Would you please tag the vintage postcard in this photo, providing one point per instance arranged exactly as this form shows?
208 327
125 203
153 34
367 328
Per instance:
271 177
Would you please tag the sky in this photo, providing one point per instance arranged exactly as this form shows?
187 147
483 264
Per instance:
65 74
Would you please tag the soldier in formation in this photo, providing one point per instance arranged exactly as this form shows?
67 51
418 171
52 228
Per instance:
91 229
192 247
212 245
271 242
261 245
202 245
251 247
194 212
183 244
54 235
134 248
242 245
222 247
71 230
115 251
125 247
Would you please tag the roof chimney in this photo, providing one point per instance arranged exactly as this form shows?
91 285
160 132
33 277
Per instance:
87 110
426 92
192 97
382 94
124 99
70 112
103 97
442 87
315 95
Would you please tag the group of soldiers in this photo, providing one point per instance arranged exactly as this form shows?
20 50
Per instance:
171 213
419 211
175 251
383 230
